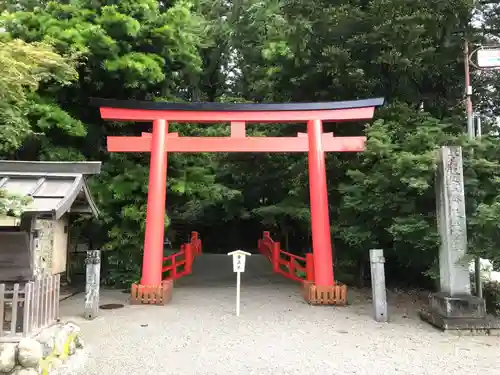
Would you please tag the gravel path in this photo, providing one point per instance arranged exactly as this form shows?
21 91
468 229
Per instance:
276 334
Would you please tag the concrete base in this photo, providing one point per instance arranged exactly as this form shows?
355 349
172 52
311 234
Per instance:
152 294
457 306
465 315
324 295
488 325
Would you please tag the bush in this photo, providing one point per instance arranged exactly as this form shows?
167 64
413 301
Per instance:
491 293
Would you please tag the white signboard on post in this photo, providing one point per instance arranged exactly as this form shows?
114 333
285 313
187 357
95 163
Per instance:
239 261
239 258
488 58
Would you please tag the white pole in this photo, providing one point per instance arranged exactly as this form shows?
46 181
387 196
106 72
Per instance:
238 283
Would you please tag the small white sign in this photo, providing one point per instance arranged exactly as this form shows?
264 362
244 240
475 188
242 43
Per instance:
239 263
488 58
239 257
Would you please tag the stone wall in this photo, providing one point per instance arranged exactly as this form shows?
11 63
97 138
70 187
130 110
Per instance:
42 353
44 247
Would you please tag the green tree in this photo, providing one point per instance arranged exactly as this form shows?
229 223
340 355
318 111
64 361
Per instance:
126 50
25 113
388 198
278 50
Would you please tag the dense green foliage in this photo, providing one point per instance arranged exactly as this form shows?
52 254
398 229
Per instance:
492 297
254 51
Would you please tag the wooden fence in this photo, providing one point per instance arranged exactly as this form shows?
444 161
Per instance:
294 267
181 263
28 307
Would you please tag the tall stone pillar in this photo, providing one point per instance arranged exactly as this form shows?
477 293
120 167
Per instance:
453 307
451 221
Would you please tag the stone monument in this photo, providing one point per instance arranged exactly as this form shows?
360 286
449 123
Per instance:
379 293
93 268
453 307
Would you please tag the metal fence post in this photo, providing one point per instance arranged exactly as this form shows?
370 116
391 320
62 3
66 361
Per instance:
379 294
93 276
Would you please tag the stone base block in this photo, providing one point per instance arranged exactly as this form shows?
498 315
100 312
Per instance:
152 294
325 295
462 326
457 306
461 314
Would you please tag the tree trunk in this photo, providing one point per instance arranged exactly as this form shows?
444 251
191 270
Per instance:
361 273
285 235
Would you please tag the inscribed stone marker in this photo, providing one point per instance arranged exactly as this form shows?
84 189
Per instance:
93 264
452 227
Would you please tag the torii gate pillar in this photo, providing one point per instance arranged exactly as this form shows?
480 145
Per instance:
155 212
320 222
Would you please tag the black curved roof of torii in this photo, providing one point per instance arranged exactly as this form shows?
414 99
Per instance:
236 107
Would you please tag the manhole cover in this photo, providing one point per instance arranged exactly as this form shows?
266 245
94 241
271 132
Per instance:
111 306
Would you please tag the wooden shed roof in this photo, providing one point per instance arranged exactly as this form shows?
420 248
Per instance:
56 188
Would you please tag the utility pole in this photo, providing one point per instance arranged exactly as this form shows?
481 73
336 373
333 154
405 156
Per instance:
468 92
471 133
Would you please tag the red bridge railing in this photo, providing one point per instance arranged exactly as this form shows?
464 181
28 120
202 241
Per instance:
181 263
287 264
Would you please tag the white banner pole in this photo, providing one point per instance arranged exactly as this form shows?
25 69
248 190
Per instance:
238 268
238 293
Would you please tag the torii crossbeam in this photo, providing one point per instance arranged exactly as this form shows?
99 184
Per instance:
160 142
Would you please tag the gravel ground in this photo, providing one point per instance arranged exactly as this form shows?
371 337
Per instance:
276 333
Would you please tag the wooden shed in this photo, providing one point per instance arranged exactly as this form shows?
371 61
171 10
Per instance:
34 247
37 243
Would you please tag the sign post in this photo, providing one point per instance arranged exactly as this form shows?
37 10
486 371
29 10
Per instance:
239 258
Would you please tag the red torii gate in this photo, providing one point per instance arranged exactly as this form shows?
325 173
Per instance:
160 142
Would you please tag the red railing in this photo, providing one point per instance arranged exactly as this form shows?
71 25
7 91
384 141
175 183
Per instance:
181 263
287 264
